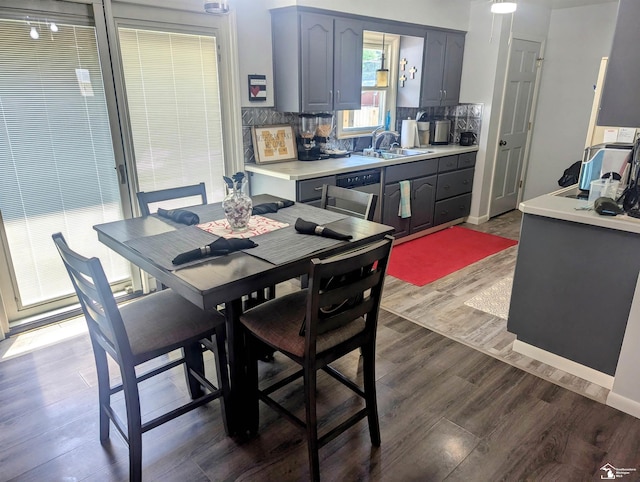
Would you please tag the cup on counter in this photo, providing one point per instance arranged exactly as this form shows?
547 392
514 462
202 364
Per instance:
603 188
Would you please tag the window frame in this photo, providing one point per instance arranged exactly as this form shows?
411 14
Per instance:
392 46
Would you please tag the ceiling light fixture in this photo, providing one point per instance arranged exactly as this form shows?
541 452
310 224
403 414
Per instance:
53 27
34 33
382 74
216 7
500 6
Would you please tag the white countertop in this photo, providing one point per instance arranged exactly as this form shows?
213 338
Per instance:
301 170
557 205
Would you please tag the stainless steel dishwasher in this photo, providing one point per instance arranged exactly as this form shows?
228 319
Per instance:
366 181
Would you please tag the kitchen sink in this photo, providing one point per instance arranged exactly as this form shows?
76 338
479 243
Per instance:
408 152
391 155
395 152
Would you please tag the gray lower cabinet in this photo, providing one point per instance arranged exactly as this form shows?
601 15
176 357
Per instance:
310 191
317 61
440 192
422 195
442 68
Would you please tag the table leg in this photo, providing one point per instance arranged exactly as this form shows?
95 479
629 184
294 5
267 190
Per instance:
237 369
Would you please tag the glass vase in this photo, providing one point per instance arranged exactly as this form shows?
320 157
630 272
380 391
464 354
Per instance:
237 207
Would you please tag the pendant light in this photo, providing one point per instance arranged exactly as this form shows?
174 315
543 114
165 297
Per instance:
382 74
501 6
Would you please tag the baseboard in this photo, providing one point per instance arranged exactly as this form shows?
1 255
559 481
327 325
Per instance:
624 404
477 220
564 364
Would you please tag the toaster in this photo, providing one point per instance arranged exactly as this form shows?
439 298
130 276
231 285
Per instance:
439 132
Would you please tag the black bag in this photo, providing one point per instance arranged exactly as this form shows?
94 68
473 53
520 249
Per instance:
571 175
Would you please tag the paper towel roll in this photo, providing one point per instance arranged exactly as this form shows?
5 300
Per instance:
409 133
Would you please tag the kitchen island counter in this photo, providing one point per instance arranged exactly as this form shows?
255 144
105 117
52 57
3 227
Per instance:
574 283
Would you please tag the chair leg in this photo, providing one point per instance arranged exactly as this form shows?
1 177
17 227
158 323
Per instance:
252 408
222 373
193 359
104 399
369 376
311 422
134 422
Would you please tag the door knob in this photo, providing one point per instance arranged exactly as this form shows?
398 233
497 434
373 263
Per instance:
503 143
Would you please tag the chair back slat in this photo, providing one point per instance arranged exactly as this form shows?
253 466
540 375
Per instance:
96 299
152 197
349 201
356 293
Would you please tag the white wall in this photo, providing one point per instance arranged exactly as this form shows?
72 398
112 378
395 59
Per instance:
578 38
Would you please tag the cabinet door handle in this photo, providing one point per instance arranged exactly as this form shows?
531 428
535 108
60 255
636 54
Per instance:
445 93
440 94
338 96
331 97
319 188
446 186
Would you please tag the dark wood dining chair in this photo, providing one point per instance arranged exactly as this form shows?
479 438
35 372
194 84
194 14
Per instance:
349 201
336 315
346 201
140 331
152 197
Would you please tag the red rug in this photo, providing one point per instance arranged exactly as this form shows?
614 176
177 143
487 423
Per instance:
436 255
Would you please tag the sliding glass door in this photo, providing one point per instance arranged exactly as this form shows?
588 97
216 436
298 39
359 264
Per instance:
173 99
56 158
99 100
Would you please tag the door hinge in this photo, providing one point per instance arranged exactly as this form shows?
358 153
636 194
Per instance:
520 184
529 125
539 61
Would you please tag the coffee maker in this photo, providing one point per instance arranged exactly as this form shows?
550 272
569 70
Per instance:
308 149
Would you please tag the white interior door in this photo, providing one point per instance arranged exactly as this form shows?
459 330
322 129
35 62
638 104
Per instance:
514 126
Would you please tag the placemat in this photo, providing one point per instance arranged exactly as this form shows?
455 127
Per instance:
162 248
257 225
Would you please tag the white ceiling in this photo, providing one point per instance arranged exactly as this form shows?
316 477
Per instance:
576 3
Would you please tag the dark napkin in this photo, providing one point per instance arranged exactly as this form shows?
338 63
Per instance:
265 208
219 247
307 227
181 216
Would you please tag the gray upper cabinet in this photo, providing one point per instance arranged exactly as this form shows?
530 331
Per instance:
442 68
317 61
620 103
347 64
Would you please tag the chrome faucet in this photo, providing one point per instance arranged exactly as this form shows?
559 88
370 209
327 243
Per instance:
378 135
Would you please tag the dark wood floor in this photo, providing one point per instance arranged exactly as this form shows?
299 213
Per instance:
447 412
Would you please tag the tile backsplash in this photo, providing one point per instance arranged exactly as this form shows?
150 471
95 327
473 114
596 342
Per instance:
463 117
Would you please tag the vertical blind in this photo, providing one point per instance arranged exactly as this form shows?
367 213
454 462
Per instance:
56 155
173 97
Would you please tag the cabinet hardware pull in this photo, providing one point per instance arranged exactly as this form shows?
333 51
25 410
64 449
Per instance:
338 96
319 188
440 94
445 94
331 97
446 186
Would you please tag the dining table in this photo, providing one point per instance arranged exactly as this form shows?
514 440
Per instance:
152 243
